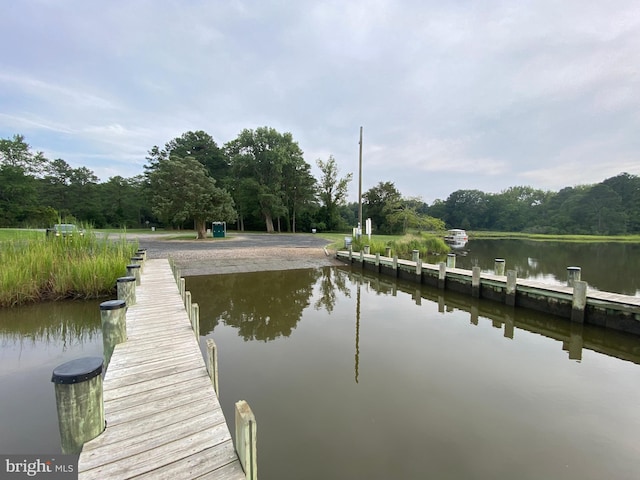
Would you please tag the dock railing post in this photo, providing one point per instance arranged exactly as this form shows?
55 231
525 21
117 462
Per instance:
79 401
395 265
246 448
212 363
377 262
387 252
113 316
367 249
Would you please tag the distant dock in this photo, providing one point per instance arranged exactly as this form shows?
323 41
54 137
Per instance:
610 310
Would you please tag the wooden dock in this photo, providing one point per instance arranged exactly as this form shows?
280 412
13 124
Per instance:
164 420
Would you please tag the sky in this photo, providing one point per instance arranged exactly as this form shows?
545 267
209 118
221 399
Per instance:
450 94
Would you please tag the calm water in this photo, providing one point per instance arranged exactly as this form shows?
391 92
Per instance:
611 267
33 341
363 377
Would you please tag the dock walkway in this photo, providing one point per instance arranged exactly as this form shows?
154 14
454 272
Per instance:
164 420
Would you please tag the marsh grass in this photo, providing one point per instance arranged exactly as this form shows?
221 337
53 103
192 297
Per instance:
403 247
50 268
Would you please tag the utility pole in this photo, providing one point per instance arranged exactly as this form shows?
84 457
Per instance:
360 189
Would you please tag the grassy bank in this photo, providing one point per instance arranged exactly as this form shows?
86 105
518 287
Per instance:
36 268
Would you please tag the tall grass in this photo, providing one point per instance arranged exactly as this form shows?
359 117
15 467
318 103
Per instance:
50 268
425 243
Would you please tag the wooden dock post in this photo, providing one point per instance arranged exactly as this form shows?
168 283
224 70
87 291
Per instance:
126 287
573 275
451 260
195 320
387 252
498 266
579 301
475 282
362 258
415 255
139 260
187 305
79 401
377 262
212 364
442 275
182 288
367 249
114 326
142 252
133 270
510 292
350 253
246 430
395 265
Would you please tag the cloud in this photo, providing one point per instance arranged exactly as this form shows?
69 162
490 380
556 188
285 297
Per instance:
451 94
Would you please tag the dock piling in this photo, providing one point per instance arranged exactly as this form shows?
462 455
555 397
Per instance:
510 292
498 266
126 288
442 275
475 282
246 430
79 401
113 316
212 363
133 270
451 260
573 275
579 301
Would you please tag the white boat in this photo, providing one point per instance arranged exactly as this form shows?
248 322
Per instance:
456 237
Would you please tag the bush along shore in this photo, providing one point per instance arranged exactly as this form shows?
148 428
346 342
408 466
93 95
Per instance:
55 268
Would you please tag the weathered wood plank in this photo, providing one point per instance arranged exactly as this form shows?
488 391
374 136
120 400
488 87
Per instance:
164 419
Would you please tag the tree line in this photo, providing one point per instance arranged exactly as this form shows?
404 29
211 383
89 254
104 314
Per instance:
260 181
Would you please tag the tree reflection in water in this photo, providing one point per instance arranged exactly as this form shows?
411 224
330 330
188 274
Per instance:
264 305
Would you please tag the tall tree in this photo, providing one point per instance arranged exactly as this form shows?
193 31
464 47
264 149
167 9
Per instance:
16 152
332 191
298 188
377 201
198 145
262 155
182 189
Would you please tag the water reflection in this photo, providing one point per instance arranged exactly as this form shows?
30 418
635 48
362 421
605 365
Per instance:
263 305
34 339
268 305
387 379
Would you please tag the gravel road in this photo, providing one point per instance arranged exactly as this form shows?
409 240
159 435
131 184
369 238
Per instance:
242 252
